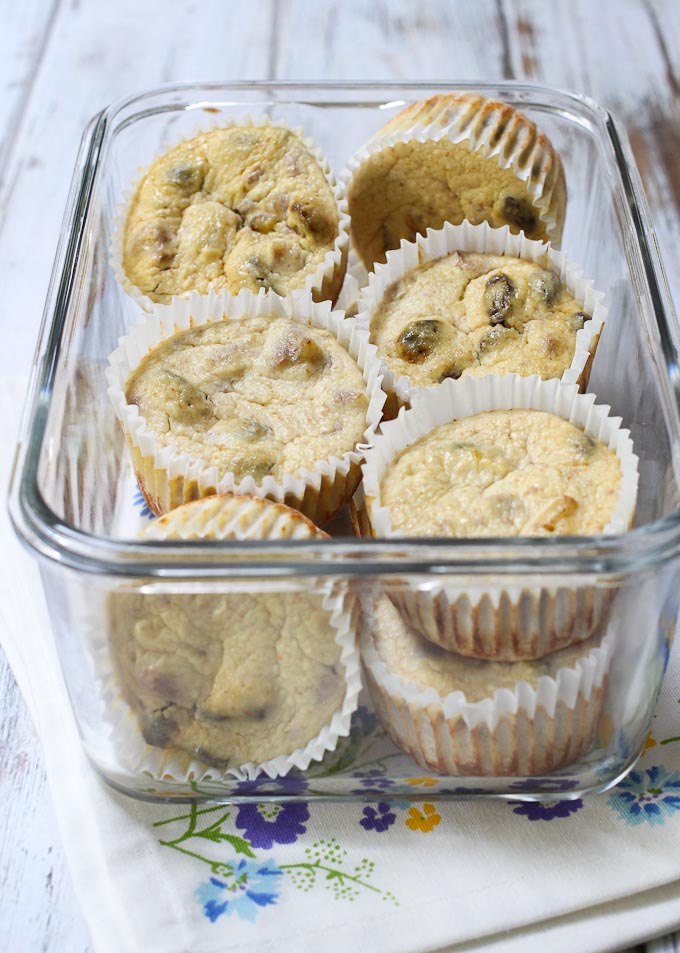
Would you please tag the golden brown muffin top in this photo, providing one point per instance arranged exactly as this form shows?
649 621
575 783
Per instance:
242 207
474 314
256 396
503 473
499 169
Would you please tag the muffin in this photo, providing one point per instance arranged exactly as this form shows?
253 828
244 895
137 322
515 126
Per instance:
249 395
503 473
462 716
502 457
453 157
236 677
442 308
247 206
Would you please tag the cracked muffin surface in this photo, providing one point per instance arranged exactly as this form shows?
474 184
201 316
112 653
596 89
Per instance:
242 207
255 396
503 473
474 314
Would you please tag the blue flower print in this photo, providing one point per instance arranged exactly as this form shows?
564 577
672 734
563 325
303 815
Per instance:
267 824
460 791
545 784
378 819
246 887
372 784
290 785
140 503
546 810
648 796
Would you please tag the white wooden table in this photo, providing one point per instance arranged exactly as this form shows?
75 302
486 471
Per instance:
63 60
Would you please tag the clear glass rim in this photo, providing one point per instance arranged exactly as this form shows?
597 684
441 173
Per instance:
50 537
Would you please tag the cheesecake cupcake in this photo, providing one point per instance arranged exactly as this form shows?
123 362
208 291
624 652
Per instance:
462 716
501 457
469 300
243 680
453 157
249 394
252 205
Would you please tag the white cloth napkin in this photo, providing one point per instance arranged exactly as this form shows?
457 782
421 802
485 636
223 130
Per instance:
492 876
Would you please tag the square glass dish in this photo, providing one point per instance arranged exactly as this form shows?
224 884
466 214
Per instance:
75 503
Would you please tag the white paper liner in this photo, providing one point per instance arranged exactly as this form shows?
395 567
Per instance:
241 518
467 237
169 478
494 130
356 278
529 731
323 283
501 622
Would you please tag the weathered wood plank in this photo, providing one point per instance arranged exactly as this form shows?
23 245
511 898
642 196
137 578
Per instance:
24 35
385 40
38 909
98 53
627 56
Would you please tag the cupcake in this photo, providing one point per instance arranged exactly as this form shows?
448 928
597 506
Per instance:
247 206
251 395
463 716
454 157
502 457
470 300
242 679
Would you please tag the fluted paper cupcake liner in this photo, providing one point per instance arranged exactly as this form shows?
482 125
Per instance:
467 237
324 283
530 730
356 279
239 518
492 129
496 621
169 478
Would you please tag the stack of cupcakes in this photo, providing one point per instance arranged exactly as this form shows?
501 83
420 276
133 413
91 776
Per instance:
487 678
240 379
485 336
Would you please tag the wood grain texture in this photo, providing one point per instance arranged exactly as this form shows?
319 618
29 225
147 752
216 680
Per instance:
387 40
95 54
25 32
62 60
38 910
626 56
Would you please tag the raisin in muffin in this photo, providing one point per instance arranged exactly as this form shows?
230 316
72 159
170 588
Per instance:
236 677
502 457
453 157
474 314
253 394
241 207
503 473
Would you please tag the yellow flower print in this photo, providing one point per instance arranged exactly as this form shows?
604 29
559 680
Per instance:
424 820
426 782
650 742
